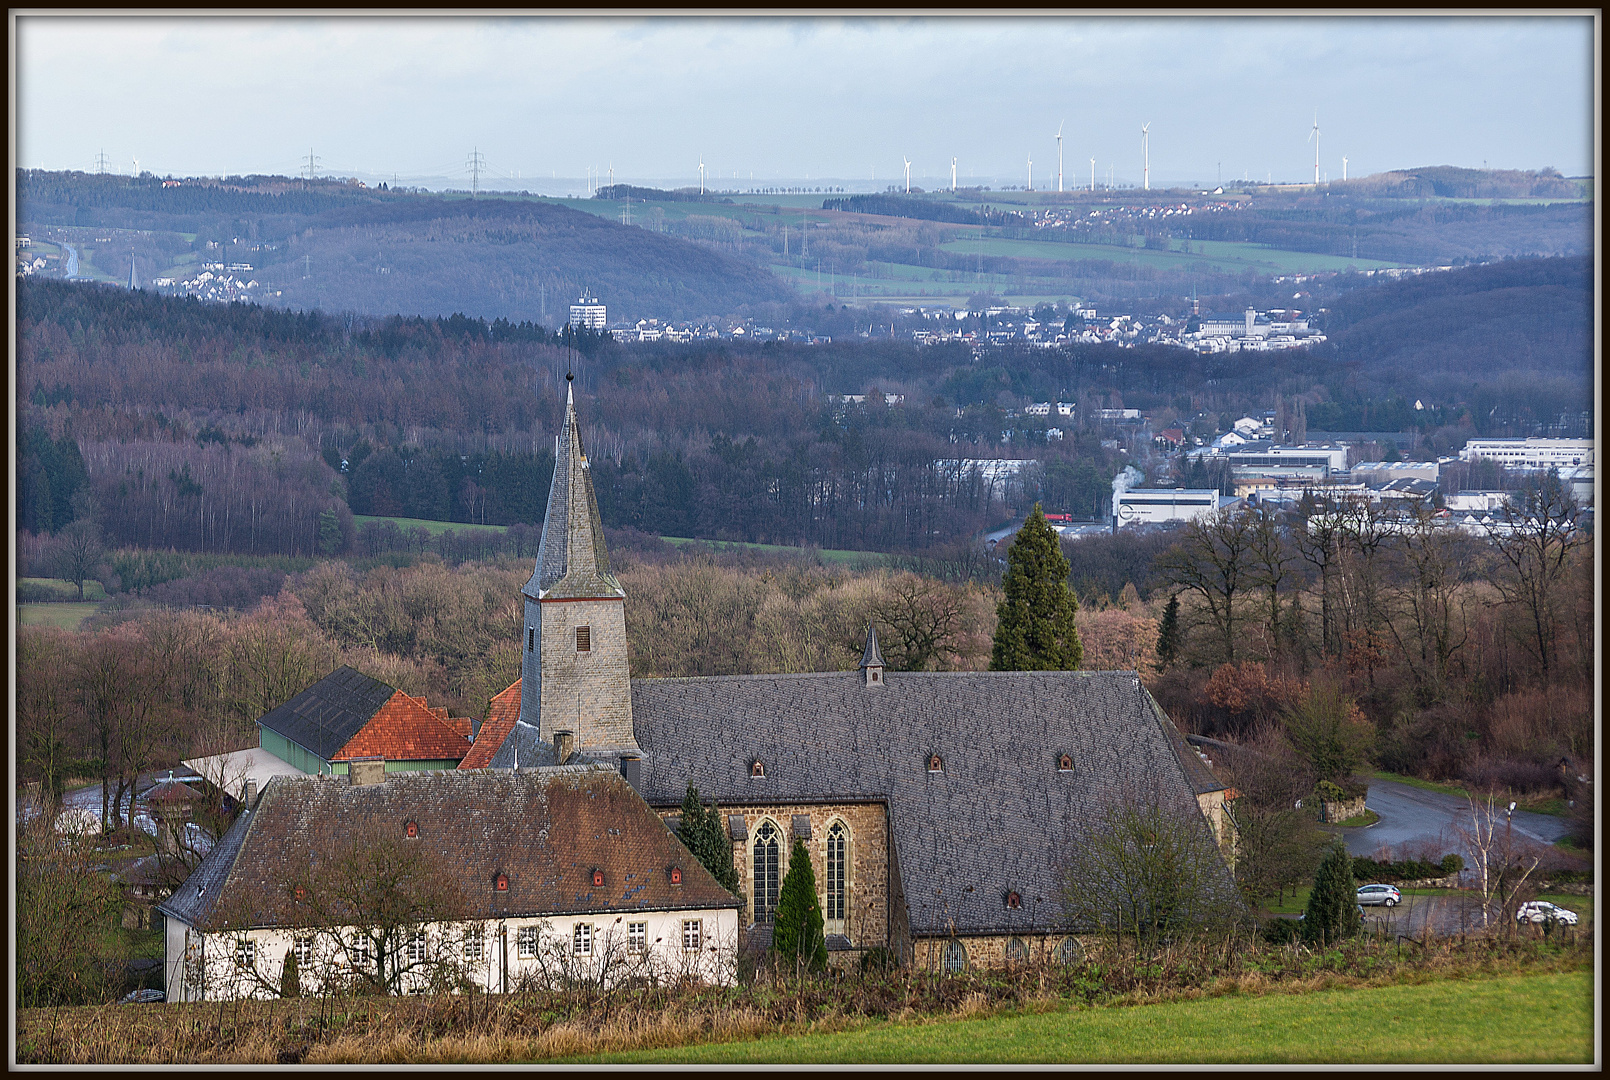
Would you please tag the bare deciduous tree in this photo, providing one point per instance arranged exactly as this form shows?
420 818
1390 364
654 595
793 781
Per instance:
1216 561
1538 532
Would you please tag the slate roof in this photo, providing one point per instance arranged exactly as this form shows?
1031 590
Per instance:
347 714
997 817
324 717
547 829
572 560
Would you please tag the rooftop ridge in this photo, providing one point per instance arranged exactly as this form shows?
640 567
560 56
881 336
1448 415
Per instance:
851 673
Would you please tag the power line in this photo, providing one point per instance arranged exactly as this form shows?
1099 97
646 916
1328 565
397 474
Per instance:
475 165
312 165
100 162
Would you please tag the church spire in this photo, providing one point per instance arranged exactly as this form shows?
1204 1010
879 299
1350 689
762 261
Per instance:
872 658
572 560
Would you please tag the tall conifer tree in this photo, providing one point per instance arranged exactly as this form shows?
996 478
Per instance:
1168 633
796 934
1332 912
1036 630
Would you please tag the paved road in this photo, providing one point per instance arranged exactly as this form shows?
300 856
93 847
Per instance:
72 260
1413 818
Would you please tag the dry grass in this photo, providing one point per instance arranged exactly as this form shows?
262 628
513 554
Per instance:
548 1025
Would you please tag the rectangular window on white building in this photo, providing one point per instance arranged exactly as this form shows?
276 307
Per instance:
692 934
358 954
636 937
582 939
245 953
304 951
526 943
416 947
474 946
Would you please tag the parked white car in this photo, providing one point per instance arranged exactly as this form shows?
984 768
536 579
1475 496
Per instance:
1379 894
1541 911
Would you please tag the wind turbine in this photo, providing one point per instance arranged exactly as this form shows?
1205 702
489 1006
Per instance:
1146 155
1059 157
1344 168
1031 172
908 174
1092 174
701 174
1313 136
952 176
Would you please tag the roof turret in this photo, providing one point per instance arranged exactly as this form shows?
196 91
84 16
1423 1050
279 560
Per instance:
572 560
872 658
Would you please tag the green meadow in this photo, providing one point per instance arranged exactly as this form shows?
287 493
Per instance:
1529 1019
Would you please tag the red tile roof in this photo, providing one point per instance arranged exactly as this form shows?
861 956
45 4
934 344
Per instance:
501 714
403 729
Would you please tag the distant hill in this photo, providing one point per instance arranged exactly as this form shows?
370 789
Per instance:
1452 182
342 247
1520 315
920 209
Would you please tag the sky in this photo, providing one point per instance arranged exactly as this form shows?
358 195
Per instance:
549 101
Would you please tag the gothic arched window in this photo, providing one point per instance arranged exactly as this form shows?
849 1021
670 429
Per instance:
1017 951
955 957
838 851
766 871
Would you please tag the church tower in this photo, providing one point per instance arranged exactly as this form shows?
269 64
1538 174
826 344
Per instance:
574 675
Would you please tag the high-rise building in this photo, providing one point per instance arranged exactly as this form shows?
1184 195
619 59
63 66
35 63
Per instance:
587 311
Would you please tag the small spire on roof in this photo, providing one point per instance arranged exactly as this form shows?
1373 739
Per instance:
872 658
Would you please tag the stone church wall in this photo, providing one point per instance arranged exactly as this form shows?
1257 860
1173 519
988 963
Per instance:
867 900
588 693
991 951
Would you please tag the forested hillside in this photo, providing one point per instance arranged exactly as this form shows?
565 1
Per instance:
339 247
453 419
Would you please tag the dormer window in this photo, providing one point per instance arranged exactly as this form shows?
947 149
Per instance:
598 879
1014 900
676 875
1065 763
584 639
411 829
756 768
936 763
502 883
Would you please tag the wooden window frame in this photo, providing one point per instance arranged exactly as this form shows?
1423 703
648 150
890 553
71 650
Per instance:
584 638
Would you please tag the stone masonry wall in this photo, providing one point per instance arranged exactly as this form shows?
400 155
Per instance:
867 899
588 693
990 951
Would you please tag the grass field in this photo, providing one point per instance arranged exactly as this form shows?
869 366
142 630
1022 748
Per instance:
1532 1019
65 616
1222 255
435 528
828 555
66 590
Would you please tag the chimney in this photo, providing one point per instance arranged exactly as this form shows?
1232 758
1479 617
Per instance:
565 743
366 770
632 769
251 794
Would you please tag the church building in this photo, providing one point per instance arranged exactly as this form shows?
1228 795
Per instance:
938 808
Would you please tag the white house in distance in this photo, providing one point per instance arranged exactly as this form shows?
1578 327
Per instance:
557 871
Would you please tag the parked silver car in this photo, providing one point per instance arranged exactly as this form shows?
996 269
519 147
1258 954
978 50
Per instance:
1541 911
1379 894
